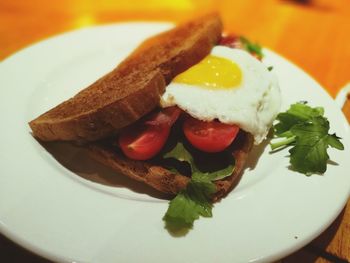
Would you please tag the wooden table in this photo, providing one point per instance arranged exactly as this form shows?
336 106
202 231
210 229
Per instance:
315 36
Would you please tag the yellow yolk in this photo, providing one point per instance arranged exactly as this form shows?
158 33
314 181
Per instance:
212 73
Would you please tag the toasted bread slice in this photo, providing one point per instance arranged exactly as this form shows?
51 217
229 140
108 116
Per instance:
132 89
164 180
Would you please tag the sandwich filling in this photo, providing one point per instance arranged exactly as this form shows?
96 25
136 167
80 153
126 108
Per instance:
229 90
230 86
206 113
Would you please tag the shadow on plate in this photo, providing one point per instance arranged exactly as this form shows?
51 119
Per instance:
255 154
11 252
77 160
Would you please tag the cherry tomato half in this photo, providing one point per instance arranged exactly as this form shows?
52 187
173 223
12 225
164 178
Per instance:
212 136
147 137
230 41
142 143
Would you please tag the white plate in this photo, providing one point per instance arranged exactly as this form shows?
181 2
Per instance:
340 99
50 210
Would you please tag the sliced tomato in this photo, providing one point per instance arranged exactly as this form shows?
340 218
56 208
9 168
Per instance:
230 41
147 137
212 136
142 143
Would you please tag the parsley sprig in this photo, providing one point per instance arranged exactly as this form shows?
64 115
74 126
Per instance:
307 131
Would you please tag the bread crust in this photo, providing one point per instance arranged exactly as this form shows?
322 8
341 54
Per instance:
100 122
164 180
133 88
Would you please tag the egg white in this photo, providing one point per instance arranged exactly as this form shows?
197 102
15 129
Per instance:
253 105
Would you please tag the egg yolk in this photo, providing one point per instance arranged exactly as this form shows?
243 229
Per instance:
212 73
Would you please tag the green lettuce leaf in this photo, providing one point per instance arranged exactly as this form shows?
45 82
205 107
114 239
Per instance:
190 203
195 200
180 153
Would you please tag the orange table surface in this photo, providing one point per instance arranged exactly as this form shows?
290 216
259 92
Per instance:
314 35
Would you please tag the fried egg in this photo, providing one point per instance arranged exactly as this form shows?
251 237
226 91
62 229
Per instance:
229 85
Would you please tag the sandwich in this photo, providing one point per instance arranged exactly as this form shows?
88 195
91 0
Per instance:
181 113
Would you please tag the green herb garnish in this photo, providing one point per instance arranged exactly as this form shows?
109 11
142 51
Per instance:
251 47
306 130
195 200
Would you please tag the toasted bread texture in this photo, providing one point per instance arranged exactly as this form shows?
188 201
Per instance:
164 180
133 88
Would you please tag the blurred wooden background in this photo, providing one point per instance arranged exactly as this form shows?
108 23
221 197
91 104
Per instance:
313 34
